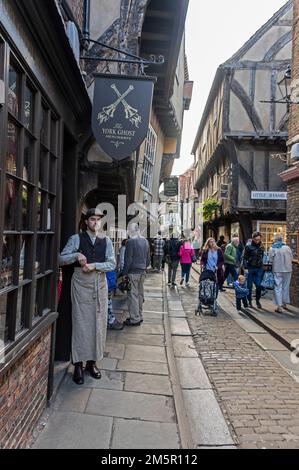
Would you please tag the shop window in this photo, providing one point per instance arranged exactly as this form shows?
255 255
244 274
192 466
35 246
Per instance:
28 161
149 159
28 176
10 203
29 108
12 148
13 91
269 229
44 125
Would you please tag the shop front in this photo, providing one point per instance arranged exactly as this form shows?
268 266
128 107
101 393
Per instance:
268 229
43 103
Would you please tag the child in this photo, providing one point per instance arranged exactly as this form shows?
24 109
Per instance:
241 292
112 323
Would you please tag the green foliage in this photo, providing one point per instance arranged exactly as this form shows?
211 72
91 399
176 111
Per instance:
209 209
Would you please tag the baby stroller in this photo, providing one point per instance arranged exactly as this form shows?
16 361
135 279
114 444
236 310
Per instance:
207 294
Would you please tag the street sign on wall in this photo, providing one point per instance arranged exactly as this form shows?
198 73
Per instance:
121 112
269 195
171 186
224 191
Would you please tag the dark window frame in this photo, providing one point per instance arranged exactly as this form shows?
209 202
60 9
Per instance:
25 277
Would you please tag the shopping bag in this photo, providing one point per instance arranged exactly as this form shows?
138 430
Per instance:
268 280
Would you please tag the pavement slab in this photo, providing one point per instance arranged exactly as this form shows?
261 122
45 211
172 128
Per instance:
156 368
147 383
135 434
192 374
131 405
145 329
115 350
183 347
250 326
110 379
145 353
75 431
179 327
74 399
208 425
177 313
267 342
143 339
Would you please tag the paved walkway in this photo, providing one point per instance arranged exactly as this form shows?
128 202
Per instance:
154 393
132 406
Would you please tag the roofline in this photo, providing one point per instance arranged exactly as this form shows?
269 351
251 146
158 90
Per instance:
235 58
259 33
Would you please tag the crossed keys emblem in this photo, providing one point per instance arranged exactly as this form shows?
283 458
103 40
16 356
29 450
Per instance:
130 112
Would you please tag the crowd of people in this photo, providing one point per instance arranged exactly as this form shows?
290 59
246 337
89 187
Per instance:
243 266
98 274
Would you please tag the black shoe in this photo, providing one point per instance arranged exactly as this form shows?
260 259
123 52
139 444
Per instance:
250 305
91 367
78 376
128 322
181 282
116 326
221 289
174 284
258 304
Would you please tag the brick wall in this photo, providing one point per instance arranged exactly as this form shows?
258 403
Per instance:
23 394
293 186
294 117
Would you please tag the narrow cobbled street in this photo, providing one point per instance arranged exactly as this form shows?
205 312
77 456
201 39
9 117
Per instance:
259 399
165 386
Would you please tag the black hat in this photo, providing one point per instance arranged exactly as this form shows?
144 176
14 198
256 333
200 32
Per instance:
92 212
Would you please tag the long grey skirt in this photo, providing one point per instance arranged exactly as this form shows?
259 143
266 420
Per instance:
89 293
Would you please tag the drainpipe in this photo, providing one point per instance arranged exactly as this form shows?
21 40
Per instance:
86 19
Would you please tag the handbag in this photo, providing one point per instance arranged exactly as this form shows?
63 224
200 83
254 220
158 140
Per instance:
193 259
268 280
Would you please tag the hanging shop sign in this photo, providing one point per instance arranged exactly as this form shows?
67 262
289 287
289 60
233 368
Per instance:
171 186
121 112
269 195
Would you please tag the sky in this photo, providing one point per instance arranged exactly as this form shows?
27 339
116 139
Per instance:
215 30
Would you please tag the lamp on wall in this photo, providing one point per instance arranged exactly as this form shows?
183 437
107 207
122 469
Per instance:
284 86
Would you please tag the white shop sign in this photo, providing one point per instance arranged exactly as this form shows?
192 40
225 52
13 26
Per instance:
269 195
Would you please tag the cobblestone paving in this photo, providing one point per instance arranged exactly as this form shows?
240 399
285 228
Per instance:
259 400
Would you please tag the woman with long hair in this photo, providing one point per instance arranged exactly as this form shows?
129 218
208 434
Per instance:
212 258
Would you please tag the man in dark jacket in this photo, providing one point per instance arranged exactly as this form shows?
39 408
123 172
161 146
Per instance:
171 250
137 259
253 261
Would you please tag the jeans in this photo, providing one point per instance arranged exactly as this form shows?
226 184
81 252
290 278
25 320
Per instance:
239 303
255 276
230 269
158 262
172 269
186 268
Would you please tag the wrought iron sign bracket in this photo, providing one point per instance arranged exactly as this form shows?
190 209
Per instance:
133 59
